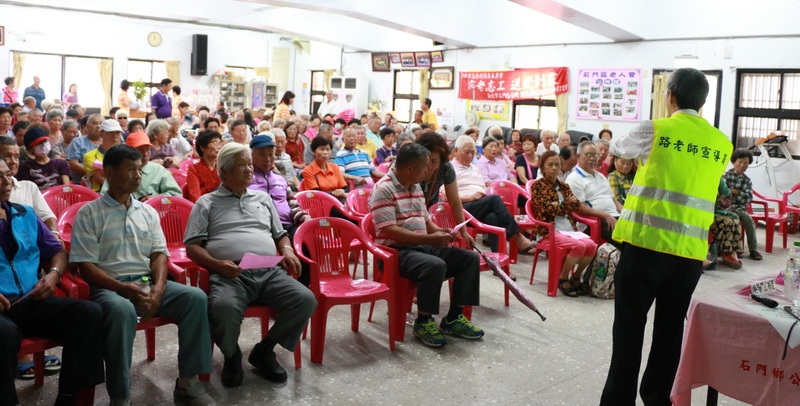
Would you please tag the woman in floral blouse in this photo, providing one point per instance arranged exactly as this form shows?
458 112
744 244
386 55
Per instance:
553 202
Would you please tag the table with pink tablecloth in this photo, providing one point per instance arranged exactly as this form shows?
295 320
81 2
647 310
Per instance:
730 345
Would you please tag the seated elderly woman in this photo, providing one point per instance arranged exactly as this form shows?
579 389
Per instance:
726 230
621 172
472 192
492 164
54 119
553 202
161 152
321 174
202 176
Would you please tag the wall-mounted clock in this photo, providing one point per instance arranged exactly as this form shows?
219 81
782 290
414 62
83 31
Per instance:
154 39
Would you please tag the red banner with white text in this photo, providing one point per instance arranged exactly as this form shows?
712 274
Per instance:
513 84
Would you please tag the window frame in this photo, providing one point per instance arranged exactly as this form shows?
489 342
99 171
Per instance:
779 113
404 96
312 92
540 102
152 85
717 73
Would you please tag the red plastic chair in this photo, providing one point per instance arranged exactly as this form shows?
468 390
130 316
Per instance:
186 163
178 275
442 216
358 201
770 220
319 204
555 254
327 241
786 207
59 198
384 167
179 176
510 192
65 222
174 213
200 278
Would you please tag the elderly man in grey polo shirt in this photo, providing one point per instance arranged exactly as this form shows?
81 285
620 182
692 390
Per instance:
223 226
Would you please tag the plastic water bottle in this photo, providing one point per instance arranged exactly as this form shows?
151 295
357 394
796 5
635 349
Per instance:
144 285
601 273
791 278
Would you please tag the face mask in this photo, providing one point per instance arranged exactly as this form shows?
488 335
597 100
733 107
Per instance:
338 126
42 149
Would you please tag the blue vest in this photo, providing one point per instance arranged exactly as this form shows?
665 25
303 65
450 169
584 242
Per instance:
19 278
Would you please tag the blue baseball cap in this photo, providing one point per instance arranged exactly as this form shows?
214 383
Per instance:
261 141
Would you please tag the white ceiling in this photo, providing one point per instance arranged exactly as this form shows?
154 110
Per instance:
412 25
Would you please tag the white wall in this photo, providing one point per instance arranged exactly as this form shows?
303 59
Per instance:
744 53
86 34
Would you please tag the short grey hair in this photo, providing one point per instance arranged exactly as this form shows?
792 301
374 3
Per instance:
46 104
264 125
28 98
68 124
121 113
602 141
277 132
53 114
227 154
463 140
155 127
583 146
279 123
325 127
546 132
495 131
406 137
360 127
413 127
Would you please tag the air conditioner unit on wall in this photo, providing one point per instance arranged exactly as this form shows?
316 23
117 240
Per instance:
351 92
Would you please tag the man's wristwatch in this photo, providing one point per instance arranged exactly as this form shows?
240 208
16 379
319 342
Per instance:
57 271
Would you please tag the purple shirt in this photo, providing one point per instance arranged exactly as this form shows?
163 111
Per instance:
277 188
166 151
162 104
494 170
48 244
384 153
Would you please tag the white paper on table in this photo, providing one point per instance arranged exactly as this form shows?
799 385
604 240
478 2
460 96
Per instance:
577 235
458 227
780 320
254 261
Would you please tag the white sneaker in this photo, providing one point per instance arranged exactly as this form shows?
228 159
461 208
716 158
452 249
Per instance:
194 394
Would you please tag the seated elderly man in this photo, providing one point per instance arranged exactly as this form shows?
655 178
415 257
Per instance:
283 162
488 209
222 228
266 179
156 180
110 135
325 130
593 190
355 163
28 307
402 222
116 241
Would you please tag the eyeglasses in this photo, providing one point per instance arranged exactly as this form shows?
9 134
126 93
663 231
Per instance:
122 118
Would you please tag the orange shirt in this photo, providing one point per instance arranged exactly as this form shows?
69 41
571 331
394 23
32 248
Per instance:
314 178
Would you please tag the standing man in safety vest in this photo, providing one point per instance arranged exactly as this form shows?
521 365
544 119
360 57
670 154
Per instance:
664 231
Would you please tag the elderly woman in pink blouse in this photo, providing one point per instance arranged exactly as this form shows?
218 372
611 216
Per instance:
492 164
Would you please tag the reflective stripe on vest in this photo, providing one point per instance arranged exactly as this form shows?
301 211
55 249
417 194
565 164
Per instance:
665 224
673 197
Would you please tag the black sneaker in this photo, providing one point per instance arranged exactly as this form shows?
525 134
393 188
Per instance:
232 374
268 364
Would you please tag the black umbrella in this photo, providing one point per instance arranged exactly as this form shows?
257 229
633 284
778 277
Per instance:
512 286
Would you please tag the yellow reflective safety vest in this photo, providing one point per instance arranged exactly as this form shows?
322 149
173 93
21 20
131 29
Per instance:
670 205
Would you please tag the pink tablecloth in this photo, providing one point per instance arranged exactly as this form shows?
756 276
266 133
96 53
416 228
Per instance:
737 352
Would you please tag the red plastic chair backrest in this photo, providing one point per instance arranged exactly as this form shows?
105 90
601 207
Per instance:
442 216
187 163
61 197
318 204
509 193
173 212
384 167
67 219
179 176
358 201
368 226
328 241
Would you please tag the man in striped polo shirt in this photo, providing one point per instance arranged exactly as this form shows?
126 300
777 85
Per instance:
355 163
402 222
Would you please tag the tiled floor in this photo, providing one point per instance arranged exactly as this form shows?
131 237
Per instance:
521 361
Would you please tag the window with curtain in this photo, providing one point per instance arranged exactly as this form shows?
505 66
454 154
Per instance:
767 100
405 99
58 72
536 114
710 110
148 72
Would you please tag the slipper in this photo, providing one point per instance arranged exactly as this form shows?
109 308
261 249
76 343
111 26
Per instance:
52 364
25 370
755 255
528 249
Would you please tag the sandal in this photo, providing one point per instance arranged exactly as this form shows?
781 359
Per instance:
755 255
25 371
579 287
52 364
528 249
566 287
